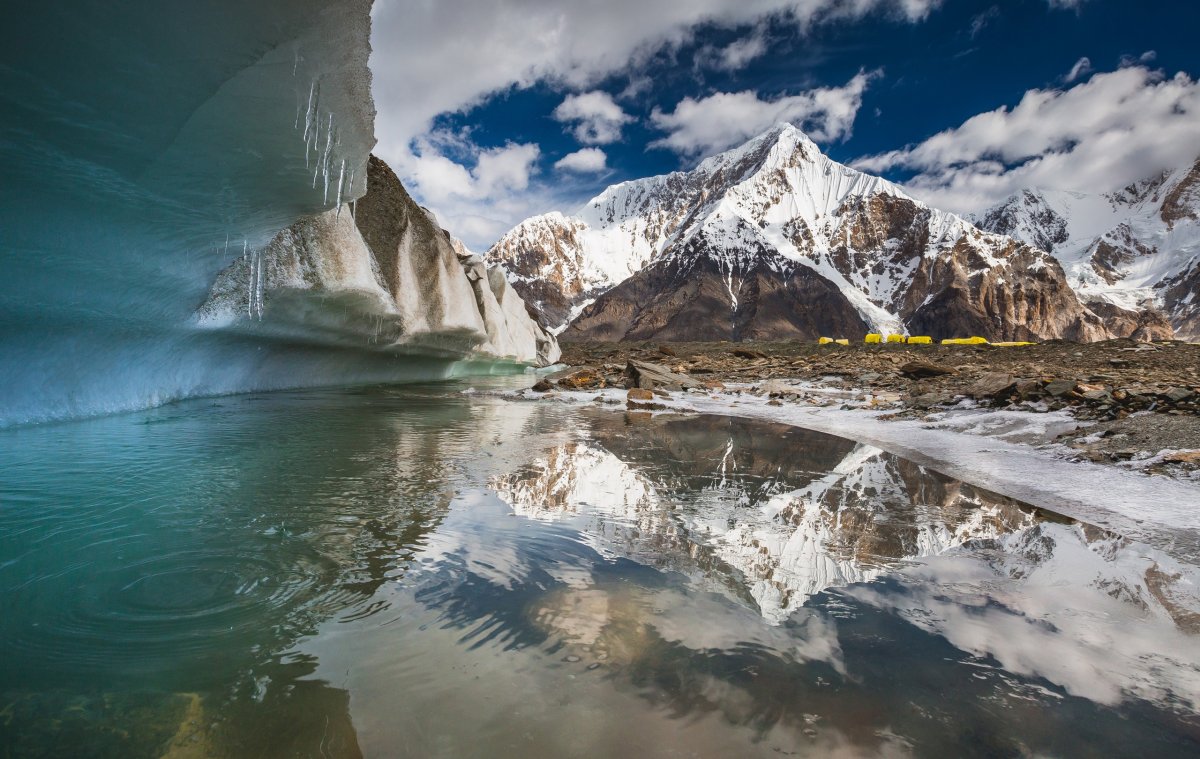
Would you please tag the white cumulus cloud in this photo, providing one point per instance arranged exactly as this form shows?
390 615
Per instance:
585 161
431 58
496 170
1115 128
594 117
697 127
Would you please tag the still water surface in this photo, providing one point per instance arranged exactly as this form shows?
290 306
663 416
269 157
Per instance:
425 572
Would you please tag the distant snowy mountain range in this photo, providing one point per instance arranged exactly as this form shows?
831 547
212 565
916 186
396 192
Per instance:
775 240
1132 249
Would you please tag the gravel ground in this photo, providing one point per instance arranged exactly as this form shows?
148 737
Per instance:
1141 400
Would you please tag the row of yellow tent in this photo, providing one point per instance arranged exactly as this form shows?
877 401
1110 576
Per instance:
921 340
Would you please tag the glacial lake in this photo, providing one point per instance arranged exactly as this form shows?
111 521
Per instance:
425 572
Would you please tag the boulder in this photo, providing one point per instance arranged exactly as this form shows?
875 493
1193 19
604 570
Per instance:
747 353
1178 394
993 385
649 376
929 400
1183 457
923 369
1059 388
582 378
1028 388
542 386
641 399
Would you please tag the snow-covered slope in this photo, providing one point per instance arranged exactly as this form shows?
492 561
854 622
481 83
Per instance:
745 226
1127 248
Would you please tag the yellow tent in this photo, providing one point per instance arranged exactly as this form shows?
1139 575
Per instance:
964 341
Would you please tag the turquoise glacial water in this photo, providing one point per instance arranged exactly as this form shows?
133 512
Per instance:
422 571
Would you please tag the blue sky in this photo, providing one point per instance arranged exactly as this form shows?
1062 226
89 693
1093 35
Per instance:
493 111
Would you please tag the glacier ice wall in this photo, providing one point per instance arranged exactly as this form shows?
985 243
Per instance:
144 145
380 275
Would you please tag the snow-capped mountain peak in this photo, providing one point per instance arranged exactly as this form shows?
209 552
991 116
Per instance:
1132 248
775 239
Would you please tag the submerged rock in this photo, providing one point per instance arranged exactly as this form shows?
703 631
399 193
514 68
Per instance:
584 378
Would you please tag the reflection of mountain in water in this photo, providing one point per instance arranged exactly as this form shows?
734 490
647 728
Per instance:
782 512
893 582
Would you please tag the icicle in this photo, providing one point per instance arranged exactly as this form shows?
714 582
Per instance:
341 175
326 156
261 284
308 111
250 289
316 128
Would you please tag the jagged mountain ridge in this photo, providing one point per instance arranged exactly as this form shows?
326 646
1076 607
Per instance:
1136 249
775 240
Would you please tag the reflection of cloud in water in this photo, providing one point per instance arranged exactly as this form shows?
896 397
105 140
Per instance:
1083 609
1070 604
633 576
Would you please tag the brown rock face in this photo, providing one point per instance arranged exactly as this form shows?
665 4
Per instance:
1184 291
691 298
1183 200
960 294
773 240
1146 325
544 262
1115 250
